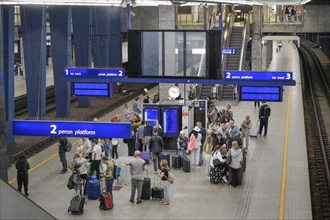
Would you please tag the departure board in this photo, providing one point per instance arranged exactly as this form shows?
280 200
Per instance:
170 119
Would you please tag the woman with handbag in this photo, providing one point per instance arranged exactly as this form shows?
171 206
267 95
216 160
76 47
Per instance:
218 165
164 175
194 146
234 159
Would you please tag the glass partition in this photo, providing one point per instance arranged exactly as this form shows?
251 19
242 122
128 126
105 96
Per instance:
174 53
195 54
282 14
151 55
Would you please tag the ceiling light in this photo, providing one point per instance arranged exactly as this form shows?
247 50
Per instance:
305 1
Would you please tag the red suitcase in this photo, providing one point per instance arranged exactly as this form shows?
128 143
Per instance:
106 201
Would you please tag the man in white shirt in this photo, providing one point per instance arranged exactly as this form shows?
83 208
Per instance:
96 158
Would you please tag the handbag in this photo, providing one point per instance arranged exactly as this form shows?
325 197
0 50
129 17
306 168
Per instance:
216 162
128 116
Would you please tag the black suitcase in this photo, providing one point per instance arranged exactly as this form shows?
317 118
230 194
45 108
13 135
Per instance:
176 162
77 205
186 164
157 193
146 188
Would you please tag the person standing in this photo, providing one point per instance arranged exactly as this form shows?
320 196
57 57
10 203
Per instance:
237 157
96 158
62 143
163 175
245 134
196 138
207 149
137 167
127 113
264 113
82 161
256 103
147 133
156 145
140 136
22 166
182 144
145 96
203 133
136 106
108 173
87 147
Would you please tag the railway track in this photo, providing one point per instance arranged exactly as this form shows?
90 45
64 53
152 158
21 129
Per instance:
316 96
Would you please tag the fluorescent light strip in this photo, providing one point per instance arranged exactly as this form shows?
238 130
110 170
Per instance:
305 1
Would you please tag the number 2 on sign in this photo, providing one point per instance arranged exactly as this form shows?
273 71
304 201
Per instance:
228 75
54 129
120 73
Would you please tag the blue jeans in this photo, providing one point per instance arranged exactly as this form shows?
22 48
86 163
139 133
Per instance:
182 152
109 184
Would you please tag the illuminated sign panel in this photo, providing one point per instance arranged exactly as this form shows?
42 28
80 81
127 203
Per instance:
94 73
255 93
72 129
91 89
247 75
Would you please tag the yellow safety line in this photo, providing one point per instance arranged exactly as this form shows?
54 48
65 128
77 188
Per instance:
285 154
41 163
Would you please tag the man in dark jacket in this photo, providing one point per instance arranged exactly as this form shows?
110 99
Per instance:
22 166
263 116
61 152
156 145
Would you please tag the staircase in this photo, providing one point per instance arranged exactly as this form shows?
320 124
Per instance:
233 60
205 91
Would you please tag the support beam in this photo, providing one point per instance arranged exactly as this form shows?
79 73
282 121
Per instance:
282 38
60 29
33 20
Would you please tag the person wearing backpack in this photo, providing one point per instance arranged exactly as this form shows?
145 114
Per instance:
62 143
264 113
22 166
108 174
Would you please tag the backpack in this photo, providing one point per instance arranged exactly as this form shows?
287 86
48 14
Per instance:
68 146
22 168
74 180
116 171
267 111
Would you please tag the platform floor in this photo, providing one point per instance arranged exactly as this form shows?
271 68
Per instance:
276 183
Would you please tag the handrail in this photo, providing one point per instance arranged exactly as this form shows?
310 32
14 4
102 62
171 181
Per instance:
245 38
226 38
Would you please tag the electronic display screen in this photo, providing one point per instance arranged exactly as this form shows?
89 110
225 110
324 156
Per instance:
255 93
91 89
151 115
170 119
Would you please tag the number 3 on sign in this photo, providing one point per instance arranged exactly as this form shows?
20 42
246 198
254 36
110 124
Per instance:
288 76
54 129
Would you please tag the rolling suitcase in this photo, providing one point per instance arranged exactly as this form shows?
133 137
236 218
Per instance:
146 188
186 164
106 199
176 162
77 205
156 191
145 155
93 188
254 131
166 156
240 176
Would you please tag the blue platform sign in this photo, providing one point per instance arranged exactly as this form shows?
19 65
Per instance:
261 93
249 75
229 51
94 73
72 129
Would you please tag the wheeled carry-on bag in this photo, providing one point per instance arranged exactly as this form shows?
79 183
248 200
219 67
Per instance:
254 131
106 199
156 191
93 188
146 188
176 162
77 205
240 176
186 164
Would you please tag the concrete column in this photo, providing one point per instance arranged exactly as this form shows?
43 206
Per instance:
60 30
256 39
3 141
33 20
8 67
166 21
82 30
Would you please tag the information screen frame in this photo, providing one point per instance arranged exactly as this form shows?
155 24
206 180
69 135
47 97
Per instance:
152 120
255 93
174 121
97 92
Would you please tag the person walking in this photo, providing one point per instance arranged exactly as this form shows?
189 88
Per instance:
245 134
137 167
163 175
22 166
203 133
156 145
264 113
62 143
127 113
136 106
